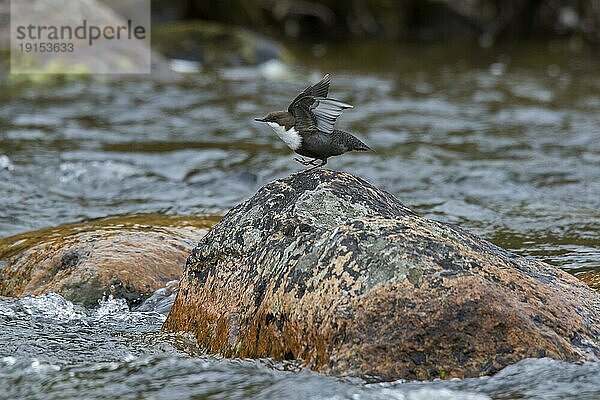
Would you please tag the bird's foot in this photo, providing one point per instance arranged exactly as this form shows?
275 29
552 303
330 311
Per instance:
307 162
314 166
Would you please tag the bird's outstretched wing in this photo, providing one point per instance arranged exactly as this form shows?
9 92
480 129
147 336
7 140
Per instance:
314 111
319 89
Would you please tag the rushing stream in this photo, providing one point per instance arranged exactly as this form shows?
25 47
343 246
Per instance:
505 144
55 350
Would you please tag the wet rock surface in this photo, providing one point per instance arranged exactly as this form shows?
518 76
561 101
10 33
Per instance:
326 268
128 257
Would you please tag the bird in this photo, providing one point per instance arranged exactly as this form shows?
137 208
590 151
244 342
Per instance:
308 126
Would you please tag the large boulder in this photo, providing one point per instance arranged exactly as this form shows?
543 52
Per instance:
126 256
324 267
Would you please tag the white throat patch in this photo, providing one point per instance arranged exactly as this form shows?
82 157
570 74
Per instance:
290 137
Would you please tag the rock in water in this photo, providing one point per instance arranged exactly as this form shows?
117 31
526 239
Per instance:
125 256
326 268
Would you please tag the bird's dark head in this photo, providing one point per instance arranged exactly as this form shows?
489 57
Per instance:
282 118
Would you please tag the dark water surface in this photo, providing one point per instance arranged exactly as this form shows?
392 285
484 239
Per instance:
505 144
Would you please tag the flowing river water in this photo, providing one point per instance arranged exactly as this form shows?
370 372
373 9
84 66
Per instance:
504 143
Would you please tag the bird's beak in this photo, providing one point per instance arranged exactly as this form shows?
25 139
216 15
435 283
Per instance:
260 119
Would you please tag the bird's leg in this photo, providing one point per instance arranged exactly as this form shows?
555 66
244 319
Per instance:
305 162
301 160
323 162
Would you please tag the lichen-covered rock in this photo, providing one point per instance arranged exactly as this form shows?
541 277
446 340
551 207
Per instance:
127 256
323 267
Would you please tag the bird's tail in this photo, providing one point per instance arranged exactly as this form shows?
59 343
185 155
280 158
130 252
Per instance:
354 143
360 146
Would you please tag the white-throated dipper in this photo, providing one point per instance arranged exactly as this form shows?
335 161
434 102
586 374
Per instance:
307 127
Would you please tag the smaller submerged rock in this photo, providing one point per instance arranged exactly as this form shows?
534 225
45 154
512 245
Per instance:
326 268
591 278
127 256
